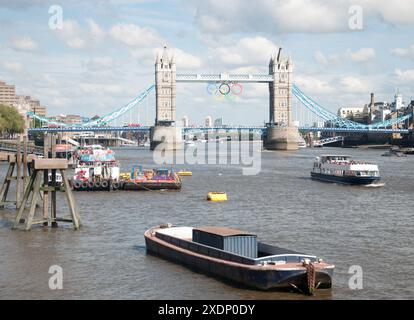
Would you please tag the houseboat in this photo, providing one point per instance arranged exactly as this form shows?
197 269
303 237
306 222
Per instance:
237 256
342 169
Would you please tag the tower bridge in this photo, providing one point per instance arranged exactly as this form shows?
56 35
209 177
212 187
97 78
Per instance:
279 133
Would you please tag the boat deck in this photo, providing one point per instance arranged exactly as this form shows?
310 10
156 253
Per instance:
182 237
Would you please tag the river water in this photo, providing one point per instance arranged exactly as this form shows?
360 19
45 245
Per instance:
369 227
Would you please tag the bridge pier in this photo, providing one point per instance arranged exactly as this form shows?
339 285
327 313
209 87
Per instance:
166 138
281 138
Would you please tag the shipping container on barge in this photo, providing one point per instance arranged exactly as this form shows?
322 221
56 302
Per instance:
237 256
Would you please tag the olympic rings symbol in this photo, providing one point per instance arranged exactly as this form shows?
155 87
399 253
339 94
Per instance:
224 90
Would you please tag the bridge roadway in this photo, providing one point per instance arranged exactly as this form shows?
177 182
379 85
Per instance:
207 129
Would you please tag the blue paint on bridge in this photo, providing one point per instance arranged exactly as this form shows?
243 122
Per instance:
208 129
335 123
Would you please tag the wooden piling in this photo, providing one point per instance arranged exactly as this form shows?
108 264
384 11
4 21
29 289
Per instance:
18 171
7 180
45 178
25 163
35 185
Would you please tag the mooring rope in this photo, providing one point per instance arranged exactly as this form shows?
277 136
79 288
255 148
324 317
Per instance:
311 277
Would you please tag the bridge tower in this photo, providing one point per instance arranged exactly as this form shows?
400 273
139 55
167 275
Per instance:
281 134
164 130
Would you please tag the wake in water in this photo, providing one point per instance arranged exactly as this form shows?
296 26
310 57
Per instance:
375 185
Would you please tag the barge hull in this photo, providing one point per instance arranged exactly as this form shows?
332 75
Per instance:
262 279
150 186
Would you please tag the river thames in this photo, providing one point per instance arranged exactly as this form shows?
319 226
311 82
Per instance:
370 227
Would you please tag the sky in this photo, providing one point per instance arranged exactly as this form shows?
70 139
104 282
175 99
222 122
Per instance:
103 55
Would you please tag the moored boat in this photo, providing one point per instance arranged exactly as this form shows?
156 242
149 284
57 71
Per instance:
151 179
237 256
96 170
342 169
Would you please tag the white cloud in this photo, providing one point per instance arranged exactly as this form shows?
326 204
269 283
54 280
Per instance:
313 85
135 36
248 50
362 55
309 16
12 66
320 57
101 89
395 12
60 102
99 63
78 38
270 16
354 85
23 44
96 32
185 60
76 43
404 76
405 53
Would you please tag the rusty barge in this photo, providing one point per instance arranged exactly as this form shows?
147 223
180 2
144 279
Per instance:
237 256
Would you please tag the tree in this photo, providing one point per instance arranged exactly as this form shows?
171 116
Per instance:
11 121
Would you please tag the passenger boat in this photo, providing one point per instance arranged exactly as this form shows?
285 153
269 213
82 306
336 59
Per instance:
342 169
151 179
97 170
237 256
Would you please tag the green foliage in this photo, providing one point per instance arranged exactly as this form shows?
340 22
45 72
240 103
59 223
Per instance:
11 121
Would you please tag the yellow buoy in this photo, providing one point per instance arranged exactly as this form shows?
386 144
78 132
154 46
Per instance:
217 196
185 173
125 175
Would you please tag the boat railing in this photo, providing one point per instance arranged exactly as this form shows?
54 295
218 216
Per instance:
289 257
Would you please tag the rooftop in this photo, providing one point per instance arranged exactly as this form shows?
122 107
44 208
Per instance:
224 231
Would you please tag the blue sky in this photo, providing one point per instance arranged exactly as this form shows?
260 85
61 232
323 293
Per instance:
104 55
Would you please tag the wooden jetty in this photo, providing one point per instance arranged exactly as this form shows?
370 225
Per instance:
36 180
41 168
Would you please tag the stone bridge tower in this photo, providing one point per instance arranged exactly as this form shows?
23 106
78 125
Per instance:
281 134
165 88
164 132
